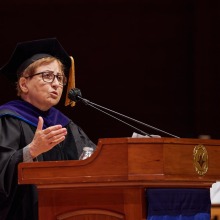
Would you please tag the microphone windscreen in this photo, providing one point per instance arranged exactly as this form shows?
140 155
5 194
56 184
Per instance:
75 94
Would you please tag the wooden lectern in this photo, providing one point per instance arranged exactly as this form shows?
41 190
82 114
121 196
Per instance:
110 185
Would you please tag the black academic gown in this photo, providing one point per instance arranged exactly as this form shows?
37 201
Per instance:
19 202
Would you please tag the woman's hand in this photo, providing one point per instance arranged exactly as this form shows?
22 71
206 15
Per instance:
46 139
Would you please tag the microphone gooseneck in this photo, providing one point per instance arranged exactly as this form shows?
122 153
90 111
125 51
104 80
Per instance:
76 95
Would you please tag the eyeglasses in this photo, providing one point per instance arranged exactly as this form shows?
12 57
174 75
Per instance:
49 76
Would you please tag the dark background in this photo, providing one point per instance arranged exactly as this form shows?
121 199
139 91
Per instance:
154 60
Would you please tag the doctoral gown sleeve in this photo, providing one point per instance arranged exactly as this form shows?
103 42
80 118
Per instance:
10 154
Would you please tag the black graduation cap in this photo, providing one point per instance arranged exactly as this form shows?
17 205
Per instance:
28 52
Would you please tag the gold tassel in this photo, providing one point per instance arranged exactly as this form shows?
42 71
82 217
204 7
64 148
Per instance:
71 83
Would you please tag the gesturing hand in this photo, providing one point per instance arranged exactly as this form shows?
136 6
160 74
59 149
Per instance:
46 139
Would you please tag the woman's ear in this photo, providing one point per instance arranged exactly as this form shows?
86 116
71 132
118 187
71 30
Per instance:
23 84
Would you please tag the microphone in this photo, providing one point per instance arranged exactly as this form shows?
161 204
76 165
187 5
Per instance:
76 95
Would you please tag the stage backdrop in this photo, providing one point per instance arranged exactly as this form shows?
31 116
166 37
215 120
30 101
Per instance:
156 61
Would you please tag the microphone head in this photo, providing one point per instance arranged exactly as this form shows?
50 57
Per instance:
75 95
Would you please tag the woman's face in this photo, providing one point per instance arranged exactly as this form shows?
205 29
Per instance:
42 95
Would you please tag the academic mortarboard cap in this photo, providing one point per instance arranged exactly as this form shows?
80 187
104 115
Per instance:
28 52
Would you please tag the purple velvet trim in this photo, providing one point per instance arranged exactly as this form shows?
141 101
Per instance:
28 112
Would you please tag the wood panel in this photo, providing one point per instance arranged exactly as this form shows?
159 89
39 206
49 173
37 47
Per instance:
111 184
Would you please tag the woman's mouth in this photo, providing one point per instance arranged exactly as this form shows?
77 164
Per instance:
54 94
